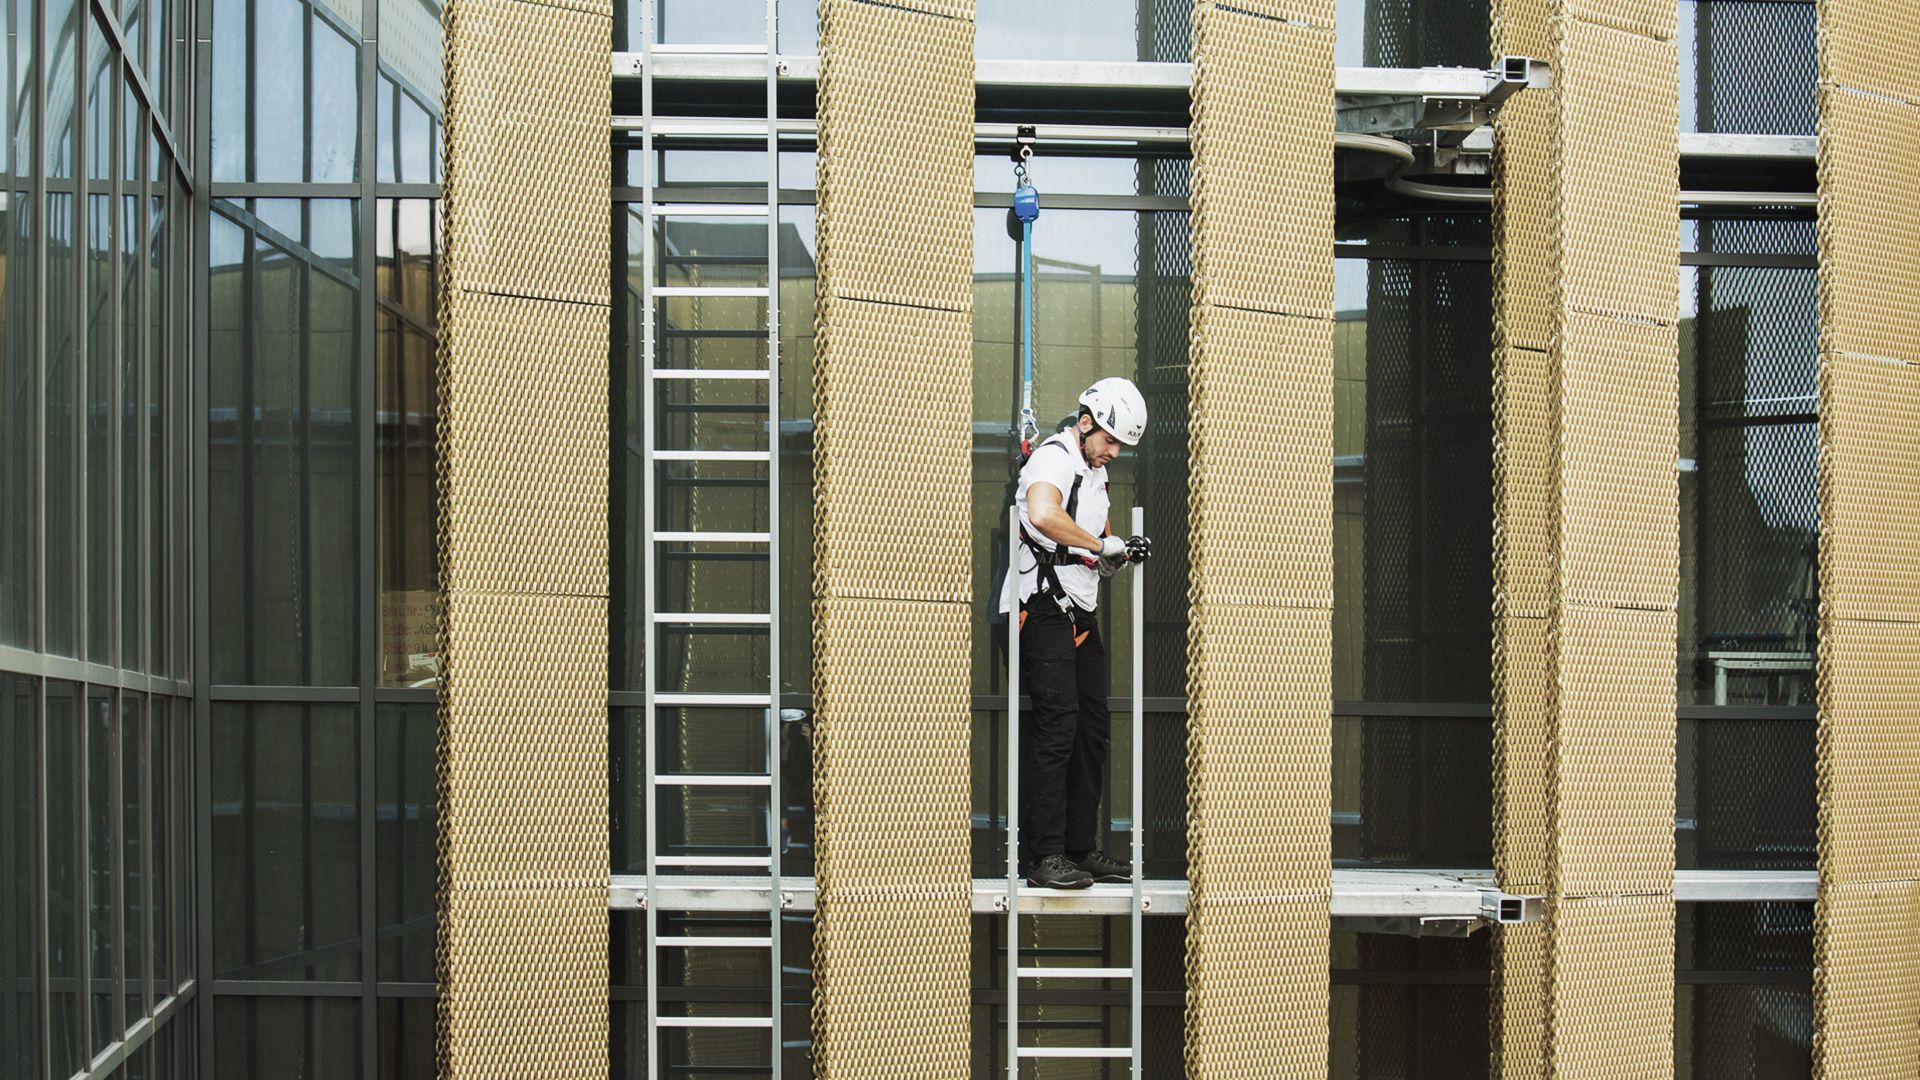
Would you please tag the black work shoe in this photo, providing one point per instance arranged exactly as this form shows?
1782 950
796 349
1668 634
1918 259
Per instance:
1103 867
1057 872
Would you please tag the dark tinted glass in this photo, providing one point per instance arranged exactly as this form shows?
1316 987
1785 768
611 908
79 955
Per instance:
105 946
311 1038
283 462
405 819
64 816
19 431
286 842
100 401
19 876
61 529
406 1038
133 852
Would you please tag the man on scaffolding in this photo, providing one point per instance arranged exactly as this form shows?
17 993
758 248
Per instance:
1063 552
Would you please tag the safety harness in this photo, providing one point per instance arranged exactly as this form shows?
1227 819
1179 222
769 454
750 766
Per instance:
1046 578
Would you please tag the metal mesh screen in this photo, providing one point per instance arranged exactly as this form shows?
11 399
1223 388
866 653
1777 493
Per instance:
1746 794
1422 33
1751 68
1744 999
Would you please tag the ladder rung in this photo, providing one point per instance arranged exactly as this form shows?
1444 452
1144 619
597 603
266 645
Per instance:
713 860
1075 1052
710 455
712 537
710 209
713 618
713 1021
707 373
759 700
709 290
712 780
687 942
1075 973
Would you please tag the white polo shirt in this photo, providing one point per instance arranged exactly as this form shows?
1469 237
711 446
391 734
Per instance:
1058 461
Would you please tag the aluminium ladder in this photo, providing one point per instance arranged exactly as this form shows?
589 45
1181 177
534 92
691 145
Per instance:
681 398
1017 971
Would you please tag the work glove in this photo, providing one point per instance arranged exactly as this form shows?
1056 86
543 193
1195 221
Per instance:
1113 556
1138 548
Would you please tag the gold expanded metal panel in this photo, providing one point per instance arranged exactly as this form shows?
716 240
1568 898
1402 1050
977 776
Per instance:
1871 45
914 373
1610 980
892 803
1262 395
1526 204
1260 624
1866 980
1586 538
1618 173
1259 753
513 521
1618 489
1866 923
1519 1001
1870 303
892 621
1523 462
1868 745
1641 18
1255 969
533 1001
529 154
522 474
1261 175
1520 753
893 78
1610 814
1868 516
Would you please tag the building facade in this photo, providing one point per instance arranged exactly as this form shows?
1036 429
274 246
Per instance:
445 623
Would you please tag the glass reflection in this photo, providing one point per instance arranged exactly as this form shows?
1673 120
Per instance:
286 93
406 817
405 490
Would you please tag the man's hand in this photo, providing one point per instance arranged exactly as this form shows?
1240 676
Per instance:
1112 547
1138 548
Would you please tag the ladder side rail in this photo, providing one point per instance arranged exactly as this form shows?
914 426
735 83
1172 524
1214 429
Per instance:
775 847
648 487
1137 527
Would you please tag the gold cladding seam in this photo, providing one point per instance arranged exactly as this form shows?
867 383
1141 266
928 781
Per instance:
892 631
522 543
1586 537
1867 917
1260 632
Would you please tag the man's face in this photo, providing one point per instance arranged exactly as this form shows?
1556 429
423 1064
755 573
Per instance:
1098 446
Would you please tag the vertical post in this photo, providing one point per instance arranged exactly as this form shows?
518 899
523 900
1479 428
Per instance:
1137 526
649 646
1867 917
1012 587
774 901
1260 637
1586 550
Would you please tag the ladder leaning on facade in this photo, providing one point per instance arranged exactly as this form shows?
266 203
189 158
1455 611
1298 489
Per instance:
673 384
1017 971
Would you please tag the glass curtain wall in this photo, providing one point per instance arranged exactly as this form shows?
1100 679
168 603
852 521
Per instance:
321 121
97 945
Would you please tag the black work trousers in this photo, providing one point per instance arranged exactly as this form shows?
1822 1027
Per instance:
1064 737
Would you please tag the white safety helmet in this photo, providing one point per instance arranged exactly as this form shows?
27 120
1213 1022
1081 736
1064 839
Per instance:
1118 408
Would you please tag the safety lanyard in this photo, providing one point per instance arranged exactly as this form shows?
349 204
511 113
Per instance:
1026 207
